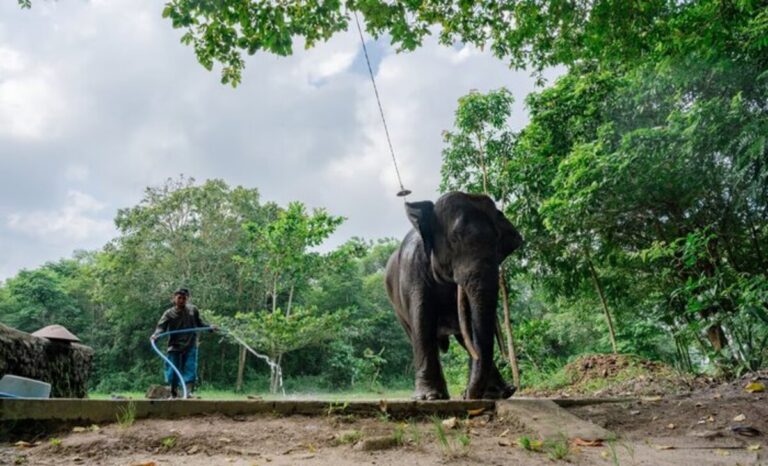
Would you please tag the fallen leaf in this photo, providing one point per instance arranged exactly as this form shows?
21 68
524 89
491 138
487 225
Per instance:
504 434
193 449
450 423
754 447
754 387
23 444
651 398
740 418
670 426
78 429
475 412
663 447
587 443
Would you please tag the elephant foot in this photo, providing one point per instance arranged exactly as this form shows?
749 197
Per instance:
430 394
500 392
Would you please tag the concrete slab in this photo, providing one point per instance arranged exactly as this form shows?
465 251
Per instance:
550 420
96 411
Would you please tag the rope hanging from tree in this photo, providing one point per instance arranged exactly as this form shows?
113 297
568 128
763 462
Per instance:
403 192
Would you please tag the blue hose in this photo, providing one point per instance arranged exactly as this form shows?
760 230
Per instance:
168 361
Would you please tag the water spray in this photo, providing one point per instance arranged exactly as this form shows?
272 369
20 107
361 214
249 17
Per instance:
274 367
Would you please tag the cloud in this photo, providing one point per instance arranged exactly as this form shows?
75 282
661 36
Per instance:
99 100
76 221
31 106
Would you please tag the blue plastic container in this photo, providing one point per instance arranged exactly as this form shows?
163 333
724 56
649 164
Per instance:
13 386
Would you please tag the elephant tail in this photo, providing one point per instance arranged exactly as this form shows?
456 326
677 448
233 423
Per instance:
442 343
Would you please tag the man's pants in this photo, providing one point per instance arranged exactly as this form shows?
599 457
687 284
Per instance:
185 362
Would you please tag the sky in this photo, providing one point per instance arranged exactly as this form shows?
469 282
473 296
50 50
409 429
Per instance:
99 99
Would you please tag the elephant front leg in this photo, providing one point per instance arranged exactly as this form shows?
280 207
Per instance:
430 383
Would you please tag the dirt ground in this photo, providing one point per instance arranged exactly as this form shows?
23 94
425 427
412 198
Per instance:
680 430
712 423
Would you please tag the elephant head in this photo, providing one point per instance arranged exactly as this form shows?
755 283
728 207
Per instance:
466 238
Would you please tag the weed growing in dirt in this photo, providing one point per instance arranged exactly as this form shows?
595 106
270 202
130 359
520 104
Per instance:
126 415
55 441
168 442
20 459
557 449
398 435
337 407
451 447
349 437
526 443
415 434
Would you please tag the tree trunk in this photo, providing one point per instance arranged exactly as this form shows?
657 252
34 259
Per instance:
240 370
608 319
274 379
274 295
512 356
290 302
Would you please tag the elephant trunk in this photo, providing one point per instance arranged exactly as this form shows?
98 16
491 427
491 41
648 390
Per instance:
482 301
464 317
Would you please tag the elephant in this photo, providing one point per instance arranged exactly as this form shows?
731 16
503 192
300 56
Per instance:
443 280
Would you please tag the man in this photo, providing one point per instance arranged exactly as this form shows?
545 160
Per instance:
182 347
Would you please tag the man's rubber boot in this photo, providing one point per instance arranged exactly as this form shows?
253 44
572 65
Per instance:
174 391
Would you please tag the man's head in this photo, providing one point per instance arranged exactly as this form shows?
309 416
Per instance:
180 297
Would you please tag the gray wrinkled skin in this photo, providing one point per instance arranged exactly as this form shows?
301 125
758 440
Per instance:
460 240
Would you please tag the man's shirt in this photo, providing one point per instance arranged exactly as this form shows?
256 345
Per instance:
178 319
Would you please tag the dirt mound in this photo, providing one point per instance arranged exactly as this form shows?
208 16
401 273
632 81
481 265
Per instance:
602 375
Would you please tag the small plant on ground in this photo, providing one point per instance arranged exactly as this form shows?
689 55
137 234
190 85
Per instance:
126 415
526 443
399 434
55 441
558 448
349 437
168 442
414 433
453 446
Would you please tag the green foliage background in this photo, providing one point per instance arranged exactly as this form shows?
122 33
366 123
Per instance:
642 176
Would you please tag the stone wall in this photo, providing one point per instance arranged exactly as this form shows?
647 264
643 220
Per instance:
63 365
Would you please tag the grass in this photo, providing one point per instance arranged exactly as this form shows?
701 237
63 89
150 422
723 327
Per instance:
168 442
349 437
558 448
126 415
350 395
452 445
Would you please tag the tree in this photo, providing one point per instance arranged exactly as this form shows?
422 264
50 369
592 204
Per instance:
280 249
474 160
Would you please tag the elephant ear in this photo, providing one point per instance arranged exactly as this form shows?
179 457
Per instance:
509 238
420 215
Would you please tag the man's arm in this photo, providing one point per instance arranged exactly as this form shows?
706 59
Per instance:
162 325
199 320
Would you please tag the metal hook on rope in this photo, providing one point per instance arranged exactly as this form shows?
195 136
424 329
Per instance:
403 192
